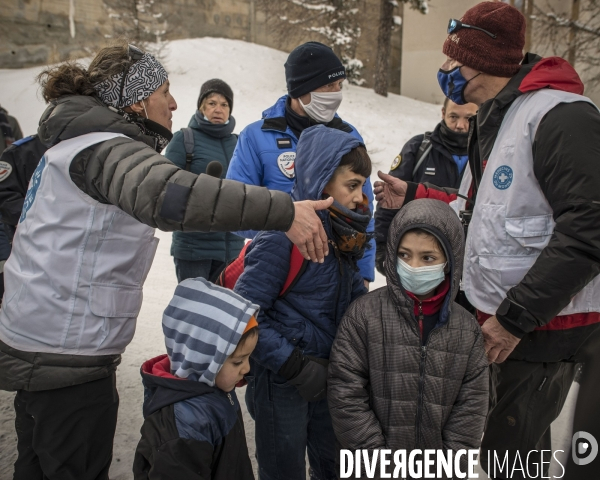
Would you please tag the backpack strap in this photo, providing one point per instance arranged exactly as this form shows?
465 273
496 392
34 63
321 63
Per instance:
188 142
235 268
423 151
297 266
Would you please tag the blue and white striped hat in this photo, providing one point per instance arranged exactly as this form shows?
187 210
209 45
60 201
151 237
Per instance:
203 325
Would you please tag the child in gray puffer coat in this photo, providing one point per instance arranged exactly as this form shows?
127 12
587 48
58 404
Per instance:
408 368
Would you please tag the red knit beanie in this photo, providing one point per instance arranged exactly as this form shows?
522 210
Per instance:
500 56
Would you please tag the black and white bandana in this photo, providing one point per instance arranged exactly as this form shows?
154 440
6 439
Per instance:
143 78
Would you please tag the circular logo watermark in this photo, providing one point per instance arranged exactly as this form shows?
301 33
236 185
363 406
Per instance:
584 448
503 177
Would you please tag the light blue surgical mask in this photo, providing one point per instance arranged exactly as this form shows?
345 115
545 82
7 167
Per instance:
420 280
453 84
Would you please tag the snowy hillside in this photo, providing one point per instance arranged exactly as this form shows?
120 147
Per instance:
257 77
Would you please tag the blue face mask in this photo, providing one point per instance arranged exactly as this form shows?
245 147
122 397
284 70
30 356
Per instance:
453 84
420 280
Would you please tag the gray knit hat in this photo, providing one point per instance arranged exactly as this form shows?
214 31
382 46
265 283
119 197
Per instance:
216 86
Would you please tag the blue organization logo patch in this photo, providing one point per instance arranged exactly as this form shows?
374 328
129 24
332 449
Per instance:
503 177
34 184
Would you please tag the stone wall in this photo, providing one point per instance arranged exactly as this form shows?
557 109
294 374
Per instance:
37 32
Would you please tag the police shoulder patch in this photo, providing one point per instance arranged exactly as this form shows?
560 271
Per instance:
286 162
396 162
5 170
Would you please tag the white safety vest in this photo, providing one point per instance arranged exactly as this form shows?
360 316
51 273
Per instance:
73 282
512 220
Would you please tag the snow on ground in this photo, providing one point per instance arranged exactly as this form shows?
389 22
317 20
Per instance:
257 78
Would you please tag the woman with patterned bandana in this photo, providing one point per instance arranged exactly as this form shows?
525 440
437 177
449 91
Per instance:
85 243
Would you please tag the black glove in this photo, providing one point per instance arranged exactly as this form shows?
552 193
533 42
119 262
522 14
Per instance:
308 374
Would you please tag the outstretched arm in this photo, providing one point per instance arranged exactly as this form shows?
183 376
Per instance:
147 186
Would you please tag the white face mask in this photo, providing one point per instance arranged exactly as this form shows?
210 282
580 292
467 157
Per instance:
420 280
323 105
206 118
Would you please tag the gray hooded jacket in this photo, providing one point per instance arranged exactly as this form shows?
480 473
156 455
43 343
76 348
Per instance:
385 389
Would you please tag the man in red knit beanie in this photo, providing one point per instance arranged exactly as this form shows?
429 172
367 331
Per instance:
531 202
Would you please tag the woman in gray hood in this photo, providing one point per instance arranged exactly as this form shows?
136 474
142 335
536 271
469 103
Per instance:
408 369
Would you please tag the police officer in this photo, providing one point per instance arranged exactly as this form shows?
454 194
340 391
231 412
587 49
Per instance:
266 149
438 157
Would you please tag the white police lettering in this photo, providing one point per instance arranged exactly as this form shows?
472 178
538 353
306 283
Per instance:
286 162
336 74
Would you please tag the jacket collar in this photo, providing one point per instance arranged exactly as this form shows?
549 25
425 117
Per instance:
162 388
536 73
434 304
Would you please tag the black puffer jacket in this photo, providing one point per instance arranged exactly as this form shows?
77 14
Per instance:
385 390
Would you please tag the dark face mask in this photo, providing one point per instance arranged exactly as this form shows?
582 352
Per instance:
453 84
455 142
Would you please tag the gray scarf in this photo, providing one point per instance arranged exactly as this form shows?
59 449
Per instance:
217 130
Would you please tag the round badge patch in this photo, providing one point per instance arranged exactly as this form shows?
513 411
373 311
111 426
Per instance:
396 162
503 177
286 161
5 170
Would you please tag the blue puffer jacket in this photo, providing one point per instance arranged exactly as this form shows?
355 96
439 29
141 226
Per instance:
190 430
222 246
308 316
262 155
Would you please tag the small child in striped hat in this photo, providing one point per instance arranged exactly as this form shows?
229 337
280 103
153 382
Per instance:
193 426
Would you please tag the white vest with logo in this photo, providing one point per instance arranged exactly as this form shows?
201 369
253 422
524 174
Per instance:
73 282
512 220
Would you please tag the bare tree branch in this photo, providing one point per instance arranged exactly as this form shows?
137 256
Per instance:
572 33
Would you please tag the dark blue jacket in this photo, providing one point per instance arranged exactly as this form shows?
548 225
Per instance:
440 167
257 160
222 246
4 243
191 431
309 314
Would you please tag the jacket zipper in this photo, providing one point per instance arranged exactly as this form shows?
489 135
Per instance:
421 321
421 377
230 399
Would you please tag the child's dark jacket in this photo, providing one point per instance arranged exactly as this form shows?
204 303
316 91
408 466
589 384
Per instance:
386 389
191 431
309 314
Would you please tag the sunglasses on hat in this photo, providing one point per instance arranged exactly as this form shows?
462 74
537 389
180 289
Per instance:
134 54
455 25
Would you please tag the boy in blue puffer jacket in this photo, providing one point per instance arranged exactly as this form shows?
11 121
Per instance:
287 384
193 427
